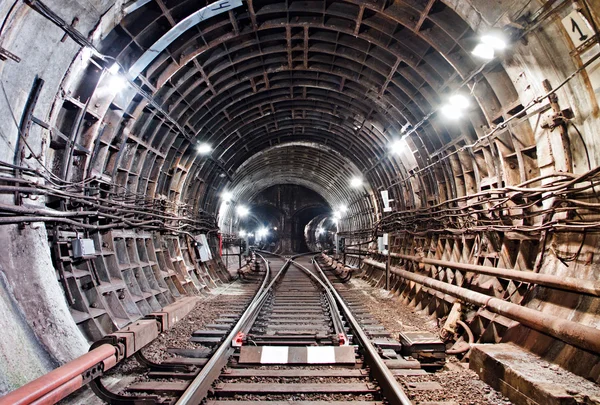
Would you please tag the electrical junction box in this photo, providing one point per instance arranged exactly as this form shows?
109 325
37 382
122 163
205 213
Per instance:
83 248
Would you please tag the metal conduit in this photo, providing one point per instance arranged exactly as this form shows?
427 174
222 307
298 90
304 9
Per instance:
590 287
574 333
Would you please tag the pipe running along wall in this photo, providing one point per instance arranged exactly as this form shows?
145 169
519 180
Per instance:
590 287
582 336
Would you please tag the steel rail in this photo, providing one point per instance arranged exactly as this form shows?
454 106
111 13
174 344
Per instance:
391 389
199 387
338 326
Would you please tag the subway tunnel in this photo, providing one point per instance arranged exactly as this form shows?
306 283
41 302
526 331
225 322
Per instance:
445 152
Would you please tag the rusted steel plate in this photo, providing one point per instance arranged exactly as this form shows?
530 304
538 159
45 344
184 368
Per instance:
172 374
277 316
298 331
301 327
223 326
297 355
406 372
250 354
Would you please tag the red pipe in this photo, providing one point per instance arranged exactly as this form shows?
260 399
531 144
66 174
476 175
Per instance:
59 383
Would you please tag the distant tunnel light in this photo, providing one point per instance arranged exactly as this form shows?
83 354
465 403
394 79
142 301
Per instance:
489 44
320 231
460 101
337 214
496 41
242 233
356 182
226 196
456 106
451 112
117 83
204 148
342 208
262 232
114 69
398 146
242 210
484 51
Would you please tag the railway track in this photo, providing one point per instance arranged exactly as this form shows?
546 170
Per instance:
297 341
287 336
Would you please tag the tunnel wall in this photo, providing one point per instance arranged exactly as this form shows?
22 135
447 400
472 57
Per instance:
35 316
45 321
514 241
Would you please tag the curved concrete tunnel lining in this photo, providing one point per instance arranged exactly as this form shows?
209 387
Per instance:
351 107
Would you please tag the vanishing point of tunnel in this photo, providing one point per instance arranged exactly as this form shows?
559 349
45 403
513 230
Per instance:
418 180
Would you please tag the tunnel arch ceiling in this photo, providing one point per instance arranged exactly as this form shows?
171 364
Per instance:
343 74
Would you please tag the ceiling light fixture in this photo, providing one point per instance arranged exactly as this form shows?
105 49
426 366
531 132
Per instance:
114 69
484 51
117 83
226 196
398 146
455 107
496 41
204 148
356 182
488 45
242 210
